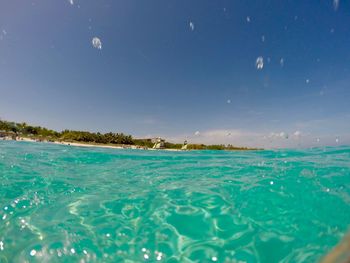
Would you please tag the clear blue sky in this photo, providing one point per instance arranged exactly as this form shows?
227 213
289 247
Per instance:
172 68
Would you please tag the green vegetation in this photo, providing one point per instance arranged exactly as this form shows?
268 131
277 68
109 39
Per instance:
41 133
37 132
216 147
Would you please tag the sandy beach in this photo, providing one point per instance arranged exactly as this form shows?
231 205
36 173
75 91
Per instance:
75 144
114 147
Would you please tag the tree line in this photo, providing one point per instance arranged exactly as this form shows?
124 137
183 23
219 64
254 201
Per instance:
67 135
42 133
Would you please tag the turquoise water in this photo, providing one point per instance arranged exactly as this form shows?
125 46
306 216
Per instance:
70 204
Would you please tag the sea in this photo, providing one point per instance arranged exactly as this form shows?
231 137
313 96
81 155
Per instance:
62 203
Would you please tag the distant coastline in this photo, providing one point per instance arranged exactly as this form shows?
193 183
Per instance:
77 144
24 132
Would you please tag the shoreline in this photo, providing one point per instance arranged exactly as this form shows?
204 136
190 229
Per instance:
132 147
25 132
109 146
77 144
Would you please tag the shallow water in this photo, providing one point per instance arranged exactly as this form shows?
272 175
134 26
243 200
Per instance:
70 204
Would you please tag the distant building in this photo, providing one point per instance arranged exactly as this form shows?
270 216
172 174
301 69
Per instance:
184 146
158 143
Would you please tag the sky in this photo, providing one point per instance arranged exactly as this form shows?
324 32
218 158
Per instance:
249 73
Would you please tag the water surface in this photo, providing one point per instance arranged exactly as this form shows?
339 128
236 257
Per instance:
70 204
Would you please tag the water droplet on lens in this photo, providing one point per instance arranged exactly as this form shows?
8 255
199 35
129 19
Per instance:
96 43
259 63
191 26
282 62
335 4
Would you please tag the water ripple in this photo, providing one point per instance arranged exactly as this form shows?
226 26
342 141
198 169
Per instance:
60 203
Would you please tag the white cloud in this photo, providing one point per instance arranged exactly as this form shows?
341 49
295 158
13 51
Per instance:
297 133
221 136
278 135
310 133
71 2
